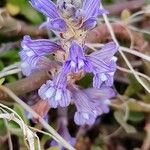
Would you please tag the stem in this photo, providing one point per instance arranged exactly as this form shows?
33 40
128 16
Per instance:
138 73
136 53
35 115
122 54
10 72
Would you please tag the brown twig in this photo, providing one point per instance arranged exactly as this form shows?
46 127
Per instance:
11 27
25 29
26 85
132 104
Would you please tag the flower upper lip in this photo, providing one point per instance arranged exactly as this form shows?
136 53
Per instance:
89 11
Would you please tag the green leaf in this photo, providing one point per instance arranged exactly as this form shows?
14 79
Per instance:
119 116
136 116
14 128
2 126
134 87
147 1
10 78
96 148
21 112
2 81
85 81
26 10
11 55
1 65
44 139
32 15
54 148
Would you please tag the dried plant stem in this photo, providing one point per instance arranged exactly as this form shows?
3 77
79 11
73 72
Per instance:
10 67
139 30
137 14
28 135
40 131
8 134
136 53
122 54
121 48
10 72
26 85
132 104
41 120
138 73
117 8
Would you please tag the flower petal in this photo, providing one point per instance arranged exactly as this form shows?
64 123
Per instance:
91 8
28 65
47 7
77 60
58 25
107 52
99 65
100 94
56 92
81 119
39 47
89 24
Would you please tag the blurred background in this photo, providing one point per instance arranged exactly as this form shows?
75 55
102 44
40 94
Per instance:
127 126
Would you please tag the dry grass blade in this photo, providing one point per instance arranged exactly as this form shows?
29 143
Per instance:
41 120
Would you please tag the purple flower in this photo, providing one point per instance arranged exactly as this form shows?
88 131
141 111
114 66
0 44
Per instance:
32 54
101 63
104 65
57 15
56 92
77 60
48 8
91 103
71 20
90 11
